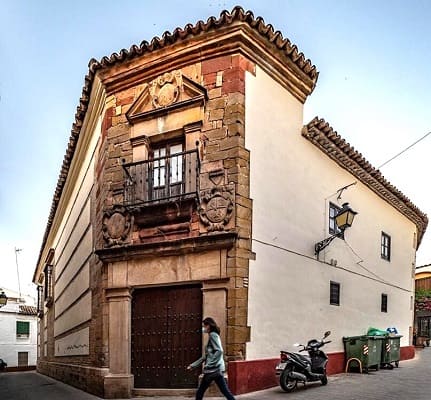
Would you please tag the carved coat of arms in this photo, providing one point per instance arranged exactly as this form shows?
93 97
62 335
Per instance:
165 90
117 223
216 207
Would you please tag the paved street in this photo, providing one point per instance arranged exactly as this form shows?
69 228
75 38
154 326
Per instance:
31 385
410 381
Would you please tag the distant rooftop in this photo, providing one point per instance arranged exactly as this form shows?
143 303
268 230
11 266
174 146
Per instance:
28 310
16 297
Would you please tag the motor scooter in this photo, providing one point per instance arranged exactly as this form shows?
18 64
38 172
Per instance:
295 367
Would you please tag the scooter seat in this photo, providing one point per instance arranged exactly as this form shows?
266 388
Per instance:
302 358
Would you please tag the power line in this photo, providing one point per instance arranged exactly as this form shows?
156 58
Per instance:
361 261
334 266
403 151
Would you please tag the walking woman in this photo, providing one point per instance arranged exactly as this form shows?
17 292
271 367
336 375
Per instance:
213 362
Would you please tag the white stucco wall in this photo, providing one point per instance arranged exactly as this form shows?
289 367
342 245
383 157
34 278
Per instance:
292 183
73 246
10 344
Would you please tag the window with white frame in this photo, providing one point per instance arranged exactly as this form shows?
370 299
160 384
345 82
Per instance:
385 246
168 169
22 329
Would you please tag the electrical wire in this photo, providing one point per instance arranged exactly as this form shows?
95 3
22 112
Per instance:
361 261
403 151
334 266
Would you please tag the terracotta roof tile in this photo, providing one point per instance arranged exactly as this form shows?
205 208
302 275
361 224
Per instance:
226 18
168 38
321 134
28 310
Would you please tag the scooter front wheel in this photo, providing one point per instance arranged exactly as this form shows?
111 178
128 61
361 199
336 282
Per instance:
324 380
286 383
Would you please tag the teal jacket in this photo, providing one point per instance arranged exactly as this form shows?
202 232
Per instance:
213 357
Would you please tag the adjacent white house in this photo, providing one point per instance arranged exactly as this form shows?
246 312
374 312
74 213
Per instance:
18 330
364 279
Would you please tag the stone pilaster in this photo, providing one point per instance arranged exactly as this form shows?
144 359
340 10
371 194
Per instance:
118 383
214 304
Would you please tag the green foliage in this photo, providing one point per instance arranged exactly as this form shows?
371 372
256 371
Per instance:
422 294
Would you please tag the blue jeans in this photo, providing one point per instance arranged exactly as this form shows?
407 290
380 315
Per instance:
220 382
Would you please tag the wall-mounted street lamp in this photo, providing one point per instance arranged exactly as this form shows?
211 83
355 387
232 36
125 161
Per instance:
344 219
3 299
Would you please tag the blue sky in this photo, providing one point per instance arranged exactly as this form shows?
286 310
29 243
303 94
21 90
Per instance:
374 88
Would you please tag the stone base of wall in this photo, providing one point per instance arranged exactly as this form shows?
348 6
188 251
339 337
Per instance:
244 376
89 379
250 376
336 363
254 375
118 386
407 352
18 369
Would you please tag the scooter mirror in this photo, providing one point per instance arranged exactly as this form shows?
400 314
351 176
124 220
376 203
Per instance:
296 345
327 333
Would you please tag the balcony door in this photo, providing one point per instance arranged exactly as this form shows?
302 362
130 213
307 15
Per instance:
167 171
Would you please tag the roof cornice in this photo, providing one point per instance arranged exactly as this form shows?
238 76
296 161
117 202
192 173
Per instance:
323 136
255 41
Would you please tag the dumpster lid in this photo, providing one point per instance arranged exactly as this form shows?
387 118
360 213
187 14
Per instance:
366 337
348 338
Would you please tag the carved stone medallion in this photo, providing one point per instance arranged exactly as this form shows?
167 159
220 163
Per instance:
117 223
165 89
216 207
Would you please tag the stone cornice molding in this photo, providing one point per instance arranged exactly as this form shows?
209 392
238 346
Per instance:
198 244
118 293
236 38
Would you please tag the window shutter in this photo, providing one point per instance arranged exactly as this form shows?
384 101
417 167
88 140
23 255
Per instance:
22 328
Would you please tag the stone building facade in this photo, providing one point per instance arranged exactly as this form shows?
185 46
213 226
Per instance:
153 217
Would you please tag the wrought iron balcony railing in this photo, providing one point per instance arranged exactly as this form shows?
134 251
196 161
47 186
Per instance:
162 179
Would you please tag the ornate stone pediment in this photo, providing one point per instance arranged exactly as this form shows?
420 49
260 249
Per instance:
168 92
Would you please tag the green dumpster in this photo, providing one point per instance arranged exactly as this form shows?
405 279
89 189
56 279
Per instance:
391 351
365 351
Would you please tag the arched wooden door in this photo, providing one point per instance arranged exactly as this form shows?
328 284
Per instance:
166 336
